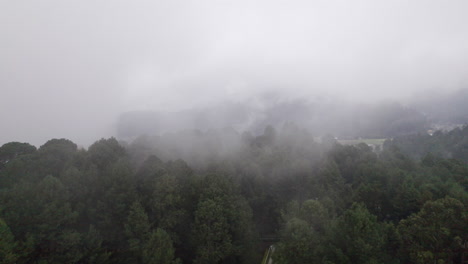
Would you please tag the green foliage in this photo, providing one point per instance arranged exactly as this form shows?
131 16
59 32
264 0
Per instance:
356 237
166 202
158 249
317 203
298 244
436 232
145 244
137 227
54 156
211 232
12 150
221 230
452 144
92 246
303 233
105 152
7 244
315 214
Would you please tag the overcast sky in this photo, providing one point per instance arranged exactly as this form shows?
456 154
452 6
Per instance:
69 68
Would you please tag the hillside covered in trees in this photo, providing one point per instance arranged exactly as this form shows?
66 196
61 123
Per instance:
216 196
448 144
322 115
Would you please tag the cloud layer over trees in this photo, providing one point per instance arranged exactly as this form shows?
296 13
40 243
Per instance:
69 66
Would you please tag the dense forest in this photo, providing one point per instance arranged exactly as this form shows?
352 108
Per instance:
449 144
224 197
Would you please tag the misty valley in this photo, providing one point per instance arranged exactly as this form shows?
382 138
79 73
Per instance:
219 196
234 132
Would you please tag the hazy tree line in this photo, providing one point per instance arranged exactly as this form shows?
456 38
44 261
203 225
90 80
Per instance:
345 119
212 197
451 144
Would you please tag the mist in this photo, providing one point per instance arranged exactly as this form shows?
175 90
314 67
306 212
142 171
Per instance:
72 69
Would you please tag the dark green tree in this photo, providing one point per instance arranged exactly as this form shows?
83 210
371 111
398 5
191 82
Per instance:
357 237
7 245
222 228
436 233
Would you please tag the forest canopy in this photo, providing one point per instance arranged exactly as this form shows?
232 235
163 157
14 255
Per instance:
224 197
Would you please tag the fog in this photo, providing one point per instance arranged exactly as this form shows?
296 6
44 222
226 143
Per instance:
69 69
